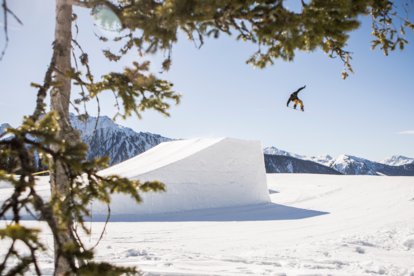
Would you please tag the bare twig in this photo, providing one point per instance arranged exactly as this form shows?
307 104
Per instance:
6 12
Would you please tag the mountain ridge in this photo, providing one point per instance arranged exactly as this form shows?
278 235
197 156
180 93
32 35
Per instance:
353 165
107 138
289 164
397 160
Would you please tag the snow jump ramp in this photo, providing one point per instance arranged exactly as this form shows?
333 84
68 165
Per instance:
198 174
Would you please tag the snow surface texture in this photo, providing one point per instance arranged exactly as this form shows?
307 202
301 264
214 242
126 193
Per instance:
316 225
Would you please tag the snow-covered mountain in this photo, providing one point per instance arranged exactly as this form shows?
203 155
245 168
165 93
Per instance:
348 164
289 164
106 138
325 160
276 151
110 139
397 160
121 143
3 127
344 164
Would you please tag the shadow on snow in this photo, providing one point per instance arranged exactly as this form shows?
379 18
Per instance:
259 212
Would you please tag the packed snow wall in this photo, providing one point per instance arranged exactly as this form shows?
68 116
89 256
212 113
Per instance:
198 174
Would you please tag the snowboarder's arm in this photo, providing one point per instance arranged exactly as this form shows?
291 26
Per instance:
303 87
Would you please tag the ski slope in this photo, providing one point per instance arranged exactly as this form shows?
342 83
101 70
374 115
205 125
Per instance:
315 225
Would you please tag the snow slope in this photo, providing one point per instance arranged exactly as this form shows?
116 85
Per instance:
365 226
317 225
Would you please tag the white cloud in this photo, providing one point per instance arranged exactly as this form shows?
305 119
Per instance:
407 132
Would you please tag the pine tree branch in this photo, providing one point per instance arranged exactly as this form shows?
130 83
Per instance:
42 92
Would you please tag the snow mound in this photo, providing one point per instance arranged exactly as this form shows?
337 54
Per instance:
198 174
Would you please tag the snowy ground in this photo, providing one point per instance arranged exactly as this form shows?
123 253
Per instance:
317 225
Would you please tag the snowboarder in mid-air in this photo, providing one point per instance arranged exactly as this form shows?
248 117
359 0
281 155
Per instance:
294 98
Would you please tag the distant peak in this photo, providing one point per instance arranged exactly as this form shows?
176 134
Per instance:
396 157
4 126
397 160
88 126
348 157
102 118
275 151
325 156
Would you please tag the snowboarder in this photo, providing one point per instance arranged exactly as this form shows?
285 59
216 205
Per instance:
294 98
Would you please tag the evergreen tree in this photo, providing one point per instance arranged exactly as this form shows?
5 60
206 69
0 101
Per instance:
148 26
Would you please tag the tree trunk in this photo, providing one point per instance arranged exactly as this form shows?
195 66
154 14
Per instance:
60 99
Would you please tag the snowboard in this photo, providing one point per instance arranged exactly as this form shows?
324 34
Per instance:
297 109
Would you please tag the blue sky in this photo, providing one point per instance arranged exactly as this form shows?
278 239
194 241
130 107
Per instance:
222 96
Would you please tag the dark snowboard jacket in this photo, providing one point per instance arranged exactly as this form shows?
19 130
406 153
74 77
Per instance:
294 95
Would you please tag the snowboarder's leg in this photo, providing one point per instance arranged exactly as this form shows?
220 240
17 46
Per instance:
296 101
301 105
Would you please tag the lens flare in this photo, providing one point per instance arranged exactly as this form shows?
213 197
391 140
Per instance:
106 20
